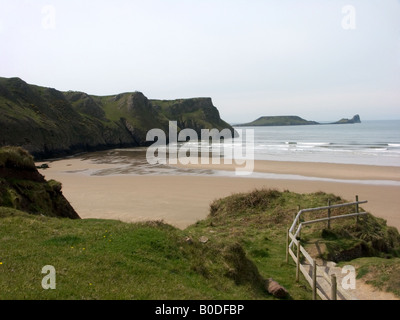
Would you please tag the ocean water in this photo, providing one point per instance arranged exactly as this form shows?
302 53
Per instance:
369 142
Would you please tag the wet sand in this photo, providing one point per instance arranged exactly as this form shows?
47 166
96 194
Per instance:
182 199
312 169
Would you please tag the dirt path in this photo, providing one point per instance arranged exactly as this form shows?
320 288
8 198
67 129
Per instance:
366 291
362 291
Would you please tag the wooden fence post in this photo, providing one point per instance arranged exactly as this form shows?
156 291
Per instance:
329 214
287 246
314 281
357 209
298 262
333 287
298 209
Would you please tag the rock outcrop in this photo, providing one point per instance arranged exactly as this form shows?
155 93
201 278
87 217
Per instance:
23 188
277 290
355 119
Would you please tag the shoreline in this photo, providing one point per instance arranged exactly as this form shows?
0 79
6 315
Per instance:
337 171
141 197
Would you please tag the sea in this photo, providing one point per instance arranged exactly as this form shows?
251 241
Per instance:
369 143
366 143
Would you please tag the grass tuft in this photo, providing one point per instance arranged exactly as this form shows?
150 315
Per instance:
16 158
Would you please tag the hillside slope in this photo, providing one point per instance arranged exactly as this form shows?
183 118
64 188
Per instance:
23 188
279 121
49 123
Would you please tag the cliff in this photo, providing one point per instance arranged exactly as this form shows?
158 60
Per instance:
23 188
195 113
50 123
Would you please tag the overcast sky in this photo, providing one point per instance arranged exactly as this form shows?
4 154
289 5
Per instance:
319 59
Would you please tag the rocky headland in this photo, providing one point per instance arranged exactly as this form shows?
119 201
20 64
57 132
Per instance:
49 123
293 121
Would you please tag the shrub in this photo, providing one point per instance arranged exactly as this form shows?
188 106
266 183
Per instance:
16 158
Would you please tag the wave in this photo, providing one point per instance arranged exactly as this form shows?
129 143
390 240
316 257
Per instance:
315 143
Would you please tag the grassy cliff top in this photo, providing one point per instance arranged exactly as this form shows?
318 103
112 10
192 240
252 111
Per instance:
279 121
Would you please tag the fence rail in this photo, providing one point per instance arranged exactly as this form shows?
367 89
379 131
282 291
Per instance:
293 238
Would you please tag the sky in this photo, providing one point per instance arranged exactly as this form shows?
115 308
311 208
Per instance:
318 59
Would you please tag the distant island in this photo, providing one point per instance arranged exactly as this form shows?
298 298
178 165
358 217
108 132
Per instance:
292 121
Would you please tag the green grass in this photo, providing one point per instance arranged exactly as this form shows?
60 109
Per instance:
111 109
106 259
16 157
34 197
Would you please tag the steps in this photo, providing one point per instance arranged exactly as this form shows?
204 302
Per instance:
326 269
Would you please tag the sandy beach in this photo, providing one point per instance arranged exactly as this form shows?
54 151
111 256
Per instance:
182 199
313 169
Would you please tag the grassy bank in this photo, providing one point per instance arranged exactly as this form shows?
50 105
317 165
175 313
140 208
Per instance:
226 256
105 259
22 187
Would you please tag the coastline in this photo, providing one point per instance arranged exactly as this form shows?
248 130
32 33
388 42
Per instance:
184 199
326 170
